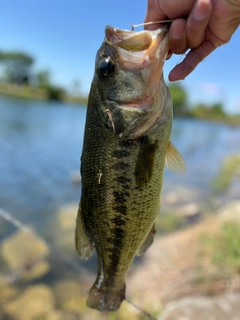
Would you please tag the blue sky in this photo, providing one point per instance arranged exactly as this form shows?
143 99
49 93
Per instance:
63 36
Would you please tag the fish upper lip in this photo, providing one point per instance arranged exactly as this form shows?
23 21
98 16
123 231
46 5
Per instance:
131 40
137 50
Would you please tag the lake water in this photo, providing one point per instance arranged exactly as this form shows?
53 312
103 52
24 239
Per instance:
41 144
40 148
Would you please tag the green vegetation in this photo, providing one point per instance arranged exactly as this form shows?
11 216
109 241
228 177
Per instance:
214 112
224 248
230 167
179 97
23 91
169 222
18 79
203 111
17 66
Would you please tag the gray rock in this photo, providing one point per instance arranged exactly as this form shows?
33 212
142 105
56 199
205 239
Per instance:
226 307
230 211
64 229
36 302
25 254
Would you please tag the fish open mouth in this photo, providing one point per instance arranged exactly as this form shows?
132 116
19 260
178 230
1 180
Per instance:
139 46
134 41
128 40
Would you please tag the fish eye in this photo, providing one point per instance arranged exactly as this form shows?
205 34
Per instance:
106 67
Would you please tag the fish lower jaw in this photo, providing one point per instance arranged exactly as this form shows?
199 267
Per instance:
106 298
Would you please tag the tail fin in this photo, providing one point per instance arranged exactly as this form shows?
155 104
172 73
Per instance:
106 298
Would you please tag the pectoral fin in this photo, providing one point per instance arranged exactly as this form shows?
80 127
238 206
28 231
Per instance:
83 244
145 162
147 242
173 160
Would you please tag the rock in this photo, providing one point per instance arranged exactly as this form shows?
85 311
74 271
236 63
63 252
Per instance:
7 292
182 202
64 229
36 302
189 209
181 264
179 196
230 211
25 255
225 307
67 217
69 295
59 315
191 212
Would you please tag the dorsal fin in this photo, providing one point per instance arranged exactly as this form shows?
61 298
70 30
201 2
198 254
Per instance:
173 160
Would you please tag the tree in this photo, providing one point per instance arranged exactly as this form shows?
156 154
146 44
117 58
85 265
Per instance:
16 66
214 111
218 109
179 97
43 78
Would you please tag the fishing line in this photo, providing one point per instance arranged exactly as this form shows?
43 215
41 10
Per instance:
21 226
17 223
133 26
143 311
182 57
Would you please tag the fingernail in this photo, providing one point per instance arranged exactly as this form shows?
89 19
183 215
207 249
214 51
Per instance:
202 10
177 33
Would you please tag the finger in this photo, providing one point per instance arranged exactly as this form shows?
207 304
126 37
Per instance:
177 36
193 58
166 9
174 9
197 23
154 13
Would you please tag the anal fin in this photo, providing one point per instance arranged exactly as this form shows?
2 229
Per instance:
147 242
82 242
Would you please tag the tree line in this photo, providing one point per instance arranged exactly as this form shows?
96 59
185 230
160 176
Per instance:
200 110
17 68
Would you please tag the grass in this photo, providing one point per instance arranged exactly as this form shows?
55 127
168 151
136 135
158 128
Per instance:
223 249
24 92
230 167
50 93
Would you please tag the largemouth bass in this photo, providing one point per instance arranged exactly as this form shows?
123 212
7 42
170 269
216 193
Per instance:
126 145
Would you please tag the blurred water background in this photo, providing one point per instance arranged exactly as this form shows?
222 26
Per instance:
41 143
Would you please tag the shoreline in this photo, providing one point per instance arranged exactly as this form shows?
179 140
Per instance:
42 94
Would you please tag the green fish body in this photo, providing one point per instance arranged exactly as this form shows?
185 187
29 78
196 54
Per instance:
126 145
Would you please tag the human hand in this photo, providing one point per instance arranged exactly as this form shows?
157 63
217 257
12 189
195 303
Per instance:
199 25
